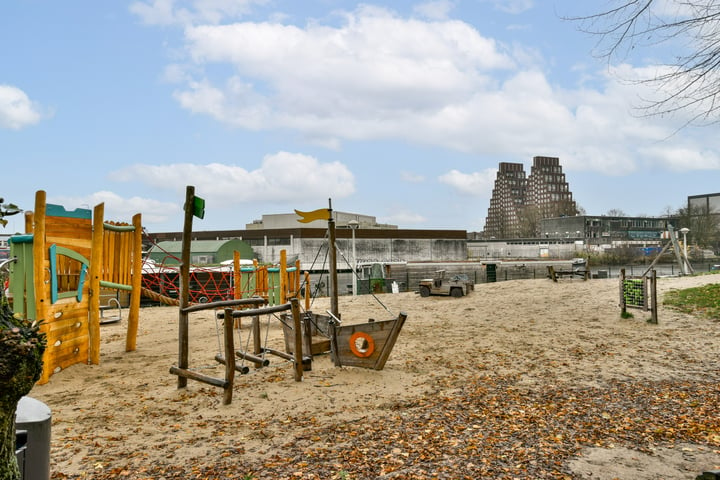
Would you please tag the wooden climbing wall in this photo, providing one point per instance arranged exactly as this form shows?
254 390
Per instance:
63 262
61 252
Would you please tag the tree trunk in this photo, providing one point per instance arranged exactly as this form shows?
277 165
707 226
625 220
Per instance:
21 349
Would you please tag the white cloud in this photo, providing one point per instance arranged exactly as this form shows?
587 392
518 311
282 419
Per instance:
512 6
434 10
674 10
477 183
237 104
362 80
16 109
185 12
281 178
158 12
121 209
682 158
370 78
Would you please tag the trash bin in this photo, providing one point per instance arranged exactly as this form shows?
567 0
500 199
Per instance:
20 447
490 273
33 417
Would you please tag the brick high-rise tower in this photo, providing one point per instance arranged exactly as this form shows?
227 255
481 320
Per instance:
503 218
518 203
548 191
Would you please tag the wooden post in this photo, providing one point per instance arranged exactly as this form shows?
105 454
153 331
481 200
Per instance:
623 305
297 327
136 284
283 276
229 356
96 256
183 330
653 294
333 263
40 259
40 272
29 222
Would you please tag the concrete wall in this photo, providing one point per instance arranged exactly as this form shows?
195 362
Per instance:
384 250
524 249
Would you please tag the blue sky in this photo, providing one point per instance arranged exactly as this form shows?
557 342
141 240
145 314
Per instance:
401 110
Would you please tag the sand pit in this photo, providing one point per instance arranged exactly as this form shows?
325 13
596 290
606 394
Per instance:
520 379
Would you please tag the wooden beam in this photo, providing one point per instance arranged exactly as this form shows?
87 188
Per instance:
184 373
297 354
183 329
229 351
136 283
96 256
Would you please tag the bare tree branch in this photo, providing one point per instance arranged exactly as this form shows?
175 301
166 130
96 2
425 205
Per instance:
690 82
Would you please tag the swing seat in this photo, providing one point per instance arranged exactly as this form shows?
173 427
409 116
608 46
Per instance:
115 318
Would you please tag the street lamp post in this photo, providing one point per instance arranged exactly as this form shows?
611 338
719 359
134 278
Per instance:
685 231
354 224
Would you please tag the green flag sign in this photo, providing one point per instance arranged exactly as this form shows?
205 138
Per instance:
199 207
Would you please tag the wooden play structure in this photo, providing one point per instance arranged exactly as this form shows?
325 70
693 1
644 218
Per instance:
61 264
194 207
183 371
306 334
639 292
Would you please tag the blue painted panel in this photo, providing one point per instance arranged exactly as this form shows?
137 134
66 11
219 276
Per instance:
59 211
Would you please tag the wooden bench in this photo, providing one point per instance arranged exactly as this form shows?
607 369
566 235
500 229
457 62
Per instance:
555 274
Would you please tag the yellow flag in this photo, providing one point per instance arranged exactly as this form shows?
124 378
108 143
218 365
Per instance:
307 217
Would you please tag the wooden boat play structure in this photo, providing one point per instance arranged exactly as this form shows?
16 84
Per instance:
366 345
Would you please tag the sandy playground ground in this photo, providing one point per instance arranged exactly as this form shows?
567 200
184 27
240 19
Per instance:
520 379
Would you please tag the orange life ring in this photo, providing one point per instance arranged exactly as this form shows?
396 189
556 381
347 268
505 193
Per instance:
367 344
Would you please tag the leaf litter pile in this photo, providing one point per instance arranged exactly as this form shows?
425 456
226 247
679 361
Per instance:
487 428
